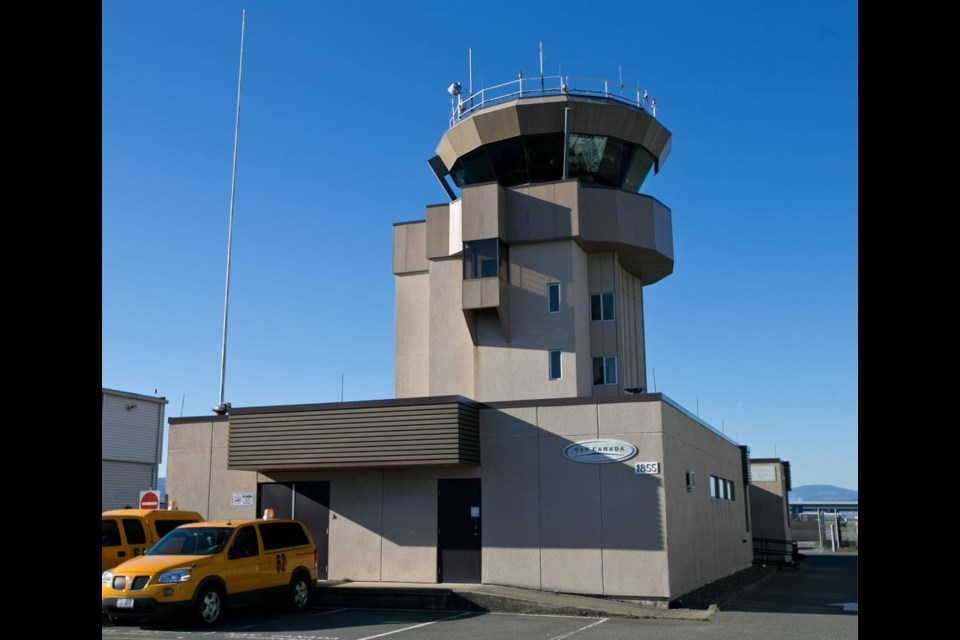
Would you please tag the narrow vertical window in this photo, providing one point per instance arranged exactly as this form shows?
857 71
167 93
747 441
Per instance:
553 297
555 372
607 311
610 370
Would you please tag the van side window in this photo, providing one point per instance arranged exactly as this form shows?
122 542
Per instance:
244 543
109 533
133 530
281 535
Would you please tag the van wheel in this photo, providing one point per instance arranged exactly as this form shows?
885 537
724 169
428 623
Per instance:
299 591
210 605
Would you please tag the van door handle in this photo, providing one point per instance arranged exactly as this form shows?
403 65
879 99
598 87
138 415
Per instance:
121 554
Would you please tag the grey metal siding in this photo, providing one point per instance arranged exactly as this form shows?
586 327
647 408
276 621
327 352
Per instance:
382 436
130 435
122 482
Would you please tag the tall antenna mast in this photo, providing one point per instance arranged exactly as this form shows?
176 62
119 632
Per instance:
541 66
222 407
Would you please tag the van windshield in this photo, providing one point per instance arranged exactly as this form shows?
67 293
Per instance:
200 541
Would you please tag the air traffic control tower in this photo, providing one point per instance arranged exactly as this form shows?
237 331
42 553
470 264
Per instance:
529 285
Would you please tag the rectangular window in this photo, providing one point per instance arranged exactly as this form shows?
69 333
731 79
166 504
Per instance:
602 307
282 535
691 478
553 297
605 370
480 259
504 249
555 371
610 370
721 488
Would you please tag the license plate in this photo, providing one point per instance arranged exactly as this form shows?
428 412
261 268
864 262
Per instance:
125 603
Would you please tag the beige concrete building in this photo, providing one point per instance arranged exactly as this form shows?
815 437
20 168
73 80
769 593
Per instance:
769 498
522 447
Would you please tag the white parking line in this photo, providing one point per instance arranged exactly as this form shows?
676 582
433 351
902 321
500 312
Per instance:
416 626
576 631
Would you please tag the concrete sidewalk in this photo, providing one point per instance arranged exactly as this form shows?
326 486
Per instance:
477 597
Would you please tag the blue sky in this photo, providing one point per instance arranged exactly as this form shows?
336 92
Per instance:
343 104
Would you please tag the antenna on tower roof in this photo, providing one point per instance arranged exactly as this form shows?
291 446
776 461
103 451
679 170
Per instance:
541 66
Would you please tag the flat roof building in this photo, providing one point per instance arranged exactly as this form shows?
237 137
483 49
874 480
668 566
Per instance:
131 435
522 447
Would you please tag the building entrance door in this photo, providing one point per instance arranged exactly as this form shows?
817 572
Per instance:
308 502
459 531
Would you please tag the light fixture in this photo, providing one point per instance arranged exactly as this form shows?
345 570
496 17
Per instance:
454 89
131 407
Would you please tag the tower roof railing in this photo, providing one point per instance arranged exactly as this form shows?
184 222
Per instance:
543 86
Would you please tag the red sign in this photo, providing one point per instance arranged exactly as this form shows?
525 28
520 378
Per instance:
149 500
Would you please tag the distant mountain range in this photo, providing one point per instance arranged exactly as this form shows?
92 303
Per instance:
822 493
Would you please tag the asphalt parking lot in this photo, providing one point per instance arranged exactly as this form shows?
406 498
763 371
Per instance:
358 624
817 601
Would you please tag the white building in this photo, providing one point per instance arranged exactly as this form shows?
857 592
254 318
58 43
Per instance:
131 431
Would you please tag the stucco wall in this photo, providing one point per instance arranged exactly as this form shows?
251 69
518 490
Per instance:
770 515
383 522
708 538
412 359
197 474
555 524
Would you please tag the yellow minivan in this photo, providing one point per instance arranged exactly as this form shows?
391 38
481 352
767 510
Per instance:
127 533
201 568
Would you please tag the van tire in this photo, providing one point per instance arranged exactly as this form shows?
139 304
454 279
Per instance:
299 591
209 605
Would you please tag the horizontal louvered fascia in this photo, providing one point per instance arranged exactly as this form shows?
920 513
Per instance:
433 434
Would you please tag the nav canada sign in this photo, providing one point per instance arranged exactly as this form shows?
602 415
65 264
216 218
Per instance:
599 451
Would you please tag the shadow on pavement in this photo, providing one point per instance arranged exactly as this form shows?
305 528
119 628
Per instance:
824 584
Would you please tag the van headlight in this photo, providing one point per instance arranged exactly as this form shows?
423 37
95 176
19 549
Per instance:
106 578
177 575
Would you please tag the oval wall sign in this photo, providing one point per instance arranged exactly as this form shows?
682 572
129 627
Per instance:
599 451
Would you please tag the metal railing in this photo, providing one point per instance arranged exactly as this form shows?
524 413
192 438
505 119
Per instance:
542 86
776 552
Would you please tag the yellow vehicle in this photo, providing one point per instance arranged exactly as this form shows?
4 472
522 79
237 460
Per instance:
203 567
127 533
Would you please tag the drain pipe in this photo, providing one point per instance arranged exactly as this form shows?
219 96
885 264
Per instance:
566 143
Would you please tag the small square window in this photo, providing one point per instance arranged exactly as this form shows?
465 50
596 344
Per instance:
602 307
605 370
553 297
555 370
